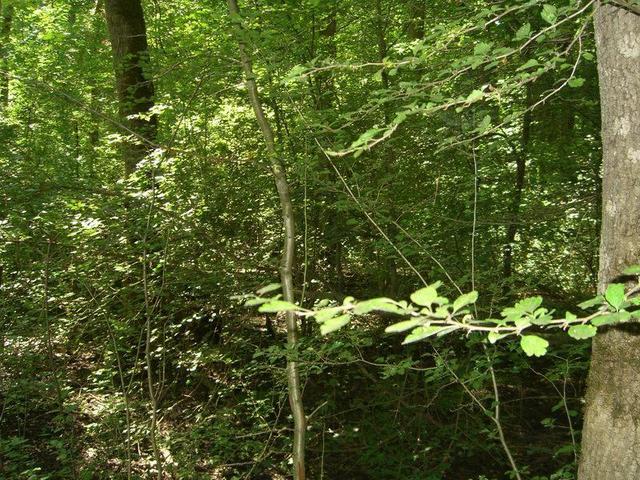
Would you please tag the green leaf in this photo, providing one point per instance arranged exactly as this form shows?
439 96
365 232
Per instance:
549 13
485 124
482 48
632 270
615 295
274 306
582 332
295 73
255 301
366 137
611 318
348 300
464 300
541 317
269 288
421 333
334 324
576 82
324 315
493 337
441 312
534 346
591 302
523 32
425 296
475 96
380 304
525 306
403 326
529 64
529 305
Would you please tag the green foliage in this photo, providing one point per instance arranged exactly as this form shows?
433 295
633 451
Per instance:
421 110
533 345
440 317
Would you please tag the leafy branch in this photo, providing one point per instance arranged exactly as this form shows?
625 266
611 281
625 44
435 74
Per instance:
430 314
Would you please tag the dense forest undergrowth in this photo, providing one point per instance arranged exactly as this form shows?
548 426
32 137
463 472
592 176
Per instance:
155 155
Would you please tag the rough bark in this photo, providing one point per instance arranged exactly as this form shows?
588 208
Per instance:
288 252
611 435
128 35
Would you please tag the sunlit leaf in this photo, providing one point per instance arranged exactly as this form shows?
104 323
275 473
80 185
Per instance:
464 300
581 332
403 326
534 346
334 324
269 288
425 296
278 306
615 295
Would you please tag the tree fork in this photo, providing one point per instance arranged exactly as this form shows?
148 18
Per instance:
288 251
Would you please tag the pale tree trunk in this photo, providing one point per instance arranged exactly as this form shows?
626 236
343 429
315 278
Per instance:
611 435
288 251
128 35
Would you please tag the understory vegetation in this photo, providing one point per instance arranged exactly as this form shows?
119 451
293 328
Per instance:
151 326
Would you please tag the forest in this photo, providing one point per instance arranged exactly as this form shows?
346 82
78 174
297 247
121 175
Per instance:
319 239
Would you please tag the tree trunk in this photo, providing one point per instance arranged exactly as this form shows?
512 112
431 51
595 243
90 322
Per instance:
333 225
288 251
514 210
128 35
611 437
390 280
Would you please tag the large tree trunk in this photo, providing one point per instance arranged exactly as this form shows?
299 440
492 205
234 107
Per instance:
288 252
611 437
128 34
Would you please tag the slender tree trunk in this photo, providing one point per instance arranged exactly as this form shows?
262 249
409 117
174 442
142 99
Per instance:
390 280
94 132
6 13
514 211
611 437
288 251
333 224
128 34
